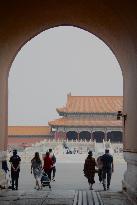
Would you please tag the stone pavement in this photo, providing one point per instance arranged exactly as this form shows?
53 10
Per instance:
62 197
114 198
70 187
59 197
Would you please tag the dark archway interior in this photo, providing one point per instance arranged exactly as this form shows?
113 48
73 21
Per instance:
115 136
98 136
85 135
72 135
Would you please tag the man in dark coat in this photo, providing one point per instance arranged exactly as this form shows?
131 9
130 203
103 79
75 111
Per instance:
107 169
15 169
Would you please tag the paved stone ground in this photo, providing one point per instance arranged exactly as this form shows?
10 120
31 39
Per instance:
58 197
114 198
69 178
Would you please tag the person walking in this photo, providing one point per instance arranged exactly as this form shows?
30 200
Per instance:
15 169
5 171
36 167
89 169
99 166
7 174
52 156
107 169
48 164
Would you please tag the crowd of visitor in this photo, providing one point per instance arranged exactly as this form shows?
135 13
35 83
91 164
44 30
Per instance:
47 167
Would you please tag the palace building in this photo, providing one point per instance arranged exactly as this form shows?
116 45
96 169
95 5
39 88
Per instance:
24 136
89 118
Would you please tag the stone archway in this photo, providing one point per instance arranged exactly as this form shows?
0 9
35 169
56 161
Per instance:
22 20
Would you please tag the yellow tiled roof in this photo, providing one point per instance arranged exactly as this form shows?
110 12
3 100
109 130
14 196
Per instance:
92 104
28 130
85 122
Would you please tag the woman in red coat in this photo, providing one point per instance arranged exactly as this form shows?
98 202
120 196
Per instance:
48 165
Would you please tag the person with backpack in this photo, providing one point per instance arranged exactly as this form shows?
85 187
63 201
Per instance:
52 156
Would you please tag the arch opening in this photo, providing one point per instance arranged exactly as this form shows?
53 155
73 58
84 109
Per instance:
45 79
117 33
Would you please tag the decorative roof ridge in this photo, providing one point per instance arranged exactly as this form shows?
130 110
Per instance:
84 112
60 109
55 120
58 118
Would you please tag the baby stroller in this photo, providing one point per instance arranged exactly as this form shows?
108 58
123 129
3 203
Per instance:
45 181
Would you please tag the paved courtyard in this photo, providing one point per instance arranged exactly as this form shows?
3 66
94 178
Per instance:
69 179
70 176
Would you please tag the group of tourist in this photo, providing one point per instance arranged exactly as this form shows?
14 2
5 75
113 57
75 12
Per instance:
103 163
104 169
49 161
48 167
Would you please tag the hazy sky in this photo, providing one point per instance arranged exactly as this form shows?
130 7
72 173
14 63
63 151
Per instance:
58 61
